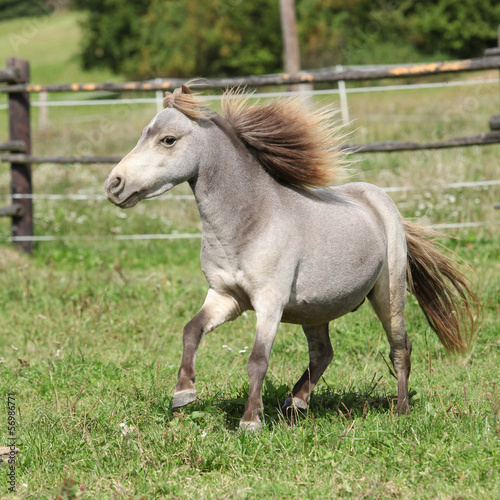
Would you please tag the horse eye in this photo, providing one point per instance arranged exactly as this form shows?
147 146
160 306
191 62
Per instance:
168 141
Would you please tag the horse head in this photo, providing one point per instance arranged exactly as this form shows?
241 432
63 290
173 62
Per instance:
168 152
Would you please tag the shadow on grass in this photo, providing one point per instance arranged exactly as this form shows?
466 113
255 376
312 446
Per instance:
346 404
325 403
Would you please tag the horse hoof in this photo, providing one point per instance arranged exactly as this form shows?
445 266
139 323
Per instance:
250 428
183 398
294 404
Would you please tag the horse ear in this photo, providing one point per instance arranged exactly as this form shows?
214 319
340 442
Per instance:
185 89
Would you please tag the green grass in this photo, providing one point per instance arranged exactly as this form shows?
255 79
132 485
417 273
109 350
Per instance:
91 339
51 44
91 330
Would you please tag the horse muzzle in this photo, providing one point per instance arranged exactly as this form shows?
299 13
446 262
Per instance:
117 194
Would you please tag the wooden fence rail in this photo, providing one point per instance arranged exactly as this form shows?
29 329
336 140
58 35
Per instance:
483 139
18 148
404 71
10 75
14 210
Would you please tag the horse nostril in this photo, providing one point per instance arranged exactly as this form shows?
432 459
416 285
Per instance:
116 186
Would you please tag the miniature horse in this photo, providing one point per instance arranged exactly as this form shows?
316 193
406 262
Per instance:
273 244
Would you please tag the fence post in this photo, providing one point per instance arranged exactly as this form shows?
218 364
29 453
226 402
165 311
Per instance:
291 51
344 107
19 124
43 114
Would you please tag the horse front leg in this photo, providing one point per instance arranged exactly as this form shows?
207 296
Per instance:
258 362
216 310
320 356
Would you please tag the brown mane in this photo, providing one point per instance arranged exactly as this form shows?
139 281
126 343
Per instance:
187 103
292 141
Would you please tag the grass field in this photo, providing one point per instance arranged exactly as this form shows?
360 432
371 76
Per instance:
90 336
51 44
91 343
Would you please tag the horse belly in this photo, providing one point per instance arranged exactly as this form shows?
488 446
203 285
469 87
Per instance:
315 311
333 283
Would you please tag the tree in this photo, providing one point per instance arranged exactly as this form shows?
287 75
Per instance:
112 34
179 38
462 29
364 31
176 38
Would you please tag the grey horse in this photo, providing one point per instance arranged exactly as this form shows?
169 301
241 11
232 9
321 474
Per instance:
273 244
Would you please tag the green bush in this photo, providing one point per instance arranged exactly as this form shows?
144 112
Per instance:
392 31
12 9
461 29
174 38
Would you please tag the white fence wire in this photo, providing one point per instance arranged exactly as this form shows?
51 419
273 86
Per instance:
182 197
190 236
158 101
347 90
179 197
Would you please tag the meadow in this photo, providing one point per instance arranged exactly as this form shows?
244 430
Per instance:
91 335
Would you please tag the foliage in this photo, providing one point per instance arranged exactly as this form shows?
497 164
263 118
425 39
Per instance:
176 38
12 9
150 38
390 31
462 29
112 33
230 37
189 38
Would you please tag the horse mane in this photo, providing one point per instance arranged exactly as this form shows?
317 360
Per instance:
188 103
293 142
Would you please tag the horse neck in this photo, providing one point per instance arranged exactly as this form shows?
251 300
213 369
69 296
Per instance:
232 189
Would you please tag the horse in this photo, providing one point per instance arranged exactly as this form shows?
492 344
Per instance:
279 239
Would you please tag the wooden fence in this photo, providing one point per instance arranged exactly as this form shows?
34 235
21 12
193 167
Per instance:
17 73
17 150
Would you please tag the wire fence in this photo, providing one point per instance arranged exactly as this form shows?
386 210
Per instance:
190 236
343 90
179 197
187 197
349 73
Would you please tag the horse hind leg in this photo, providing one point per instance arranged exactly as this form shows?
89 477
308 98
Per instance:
320 356
388 299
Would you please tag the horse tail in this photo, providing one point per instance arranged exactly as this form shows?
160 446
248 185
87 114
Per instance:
442 291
